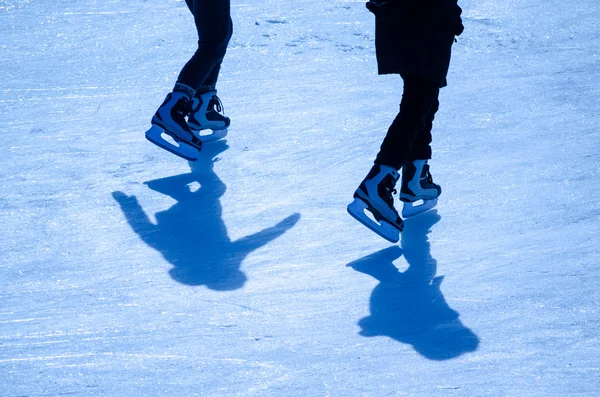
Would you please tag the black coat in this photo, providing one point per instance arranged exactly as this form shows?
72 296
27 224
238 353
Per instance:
414 38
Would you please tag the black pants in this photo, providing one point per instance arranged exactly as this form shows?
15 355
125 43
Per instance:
214 25
409 136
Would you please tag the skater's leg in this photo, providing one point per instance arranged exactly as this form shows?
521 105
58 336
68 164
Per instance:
421 147
213 22
417 182
208 112
418 101
214 26
210 83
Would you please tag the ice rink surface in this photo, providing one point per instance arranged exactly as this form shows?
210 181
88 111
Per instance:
126 271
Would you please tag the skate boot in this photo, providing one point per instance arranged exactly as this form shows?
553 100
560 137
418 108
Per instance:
170 119
375 196
418 192
207 114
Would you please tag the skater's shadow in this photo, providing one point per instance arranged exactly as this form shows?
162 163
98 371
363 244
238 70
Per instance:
191 235
409 306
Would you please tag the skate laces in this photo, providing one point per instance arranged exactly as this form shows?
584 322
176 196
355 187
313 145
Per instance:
213 104
426 175
429 177
388 186
391 192
216 103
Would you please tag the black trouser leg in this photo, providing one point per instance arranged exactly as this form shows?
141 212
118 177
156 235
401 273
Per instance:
409 136
421 147
214 25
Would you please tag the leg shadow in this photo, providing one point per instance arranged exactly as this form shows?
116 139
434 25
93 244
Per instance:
409 306
191 235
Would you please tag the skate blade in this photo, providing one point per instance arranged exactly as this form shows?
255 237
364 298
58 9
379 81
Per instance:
357 209
207 136
181 149
418 207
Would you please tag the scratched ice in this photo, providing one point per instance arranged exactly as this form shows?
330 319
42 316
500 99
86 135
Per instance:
127 271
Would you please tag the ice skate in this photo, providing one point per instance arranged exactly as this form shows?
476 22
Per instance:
374 197
169 121
418 192
207 119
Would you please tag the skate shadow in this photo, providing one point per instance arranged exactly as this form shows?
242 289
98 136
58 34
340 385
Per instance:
191 235
409 306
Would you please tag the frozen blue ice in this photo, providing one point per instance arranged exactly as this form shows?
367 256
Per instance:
127 271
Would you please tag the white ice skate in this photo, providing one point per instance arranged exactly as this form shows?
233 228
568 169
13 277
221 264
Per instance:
418 192
373 204
207 120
